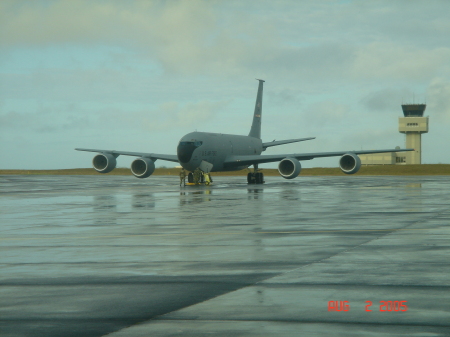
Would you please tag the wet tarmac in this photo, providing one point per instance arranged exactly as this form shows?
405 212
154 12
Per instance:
98 255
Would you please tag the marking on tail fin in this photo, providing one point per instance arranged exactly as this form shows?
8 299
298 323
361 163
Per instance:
255 130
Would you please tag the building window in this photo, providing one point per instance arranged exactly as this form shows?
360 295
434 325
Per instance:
400 160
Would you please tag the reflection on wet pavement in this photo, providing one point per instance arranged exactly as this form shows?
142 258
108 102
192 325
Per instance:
91 255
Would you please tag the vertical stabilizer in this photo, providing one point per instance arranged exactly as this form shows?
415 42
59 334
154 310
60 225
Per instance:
255 131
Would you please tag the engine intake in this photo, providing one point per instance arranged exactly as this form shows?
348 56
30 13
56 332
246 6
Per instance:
349 163
104 162
289 168
142 167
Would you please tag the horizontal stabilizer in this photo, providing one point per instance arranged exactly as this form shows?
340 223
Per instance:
287 141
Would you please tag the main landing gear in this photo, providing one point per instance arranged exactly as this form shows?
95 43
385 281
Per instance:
255 177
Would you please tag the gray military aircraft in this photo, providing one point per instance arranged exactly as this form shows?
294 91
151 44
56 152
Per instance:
215 152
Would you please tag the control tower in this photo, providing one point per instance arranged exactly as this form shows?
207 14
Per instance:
413 125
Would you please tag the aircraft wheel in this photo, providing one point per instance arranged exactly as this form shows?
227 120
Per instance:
259 178
250 178
190 177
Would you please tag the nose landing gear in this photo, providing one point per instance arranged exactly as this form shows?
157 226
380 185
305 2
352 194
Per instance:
198 177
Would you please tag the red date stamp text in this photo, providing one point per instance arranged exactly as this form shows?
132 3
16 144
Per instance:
385 306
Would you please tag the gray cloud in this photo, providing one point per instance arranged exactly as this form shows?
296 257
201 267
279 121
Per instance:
328 114
170 115
398 62
202 37
44 120
285 96
166 116
387 100
438 100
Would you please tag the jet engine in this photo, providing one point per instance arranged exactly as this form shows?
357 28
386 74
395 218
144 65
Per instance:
142 167
289 168
350 163
104 162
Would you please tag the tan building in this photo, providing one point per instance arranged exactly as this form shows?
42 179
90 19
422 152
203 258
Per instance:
378 158
413 124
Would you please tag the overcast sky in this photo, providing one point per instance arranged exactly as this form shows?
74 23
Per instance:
138 75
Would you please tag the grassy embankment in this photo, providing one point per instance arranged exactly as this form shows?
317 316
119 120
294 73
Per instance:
425 169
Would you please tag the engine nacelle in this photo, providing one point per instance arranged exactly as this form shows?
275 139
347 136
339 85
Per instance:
104 162
142 167
289 168
350 163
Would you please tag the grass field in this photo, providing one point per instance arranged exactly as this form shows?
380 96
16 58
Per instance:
425 169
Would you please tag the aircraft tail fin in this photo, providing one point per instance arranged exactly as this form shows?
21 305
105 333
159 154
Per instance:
255 131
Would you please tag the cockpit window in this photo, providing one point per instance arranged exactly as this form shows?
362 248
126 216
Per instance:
186 149
196 143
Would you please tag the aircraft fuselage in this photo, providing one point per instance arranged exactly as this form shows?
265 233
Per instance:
215 148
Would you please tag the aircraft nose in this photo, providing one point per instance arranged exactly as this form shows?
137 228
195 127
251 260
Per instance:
186 149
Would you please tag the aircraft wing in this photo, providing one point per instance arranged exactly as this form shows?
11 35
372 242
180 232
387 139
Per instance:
153 156
260 159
